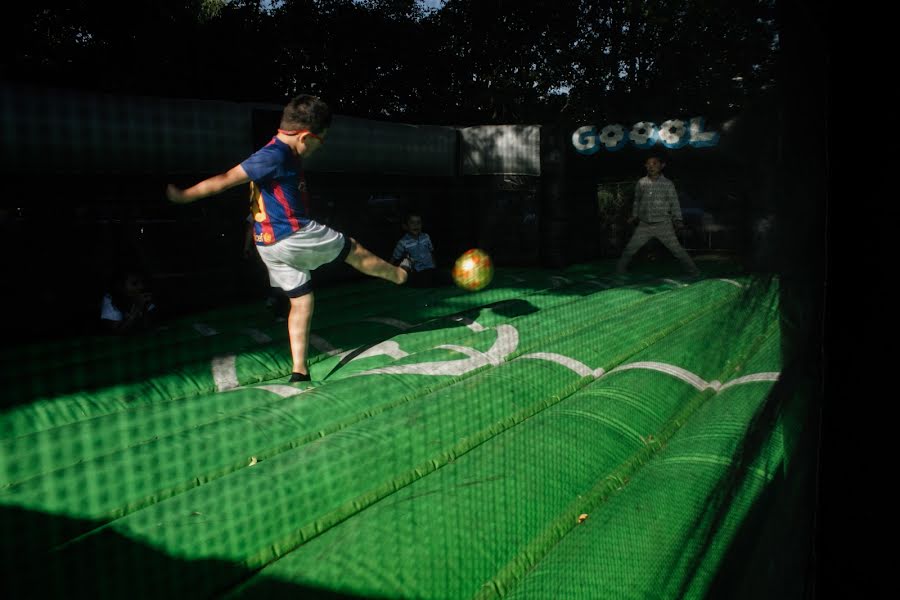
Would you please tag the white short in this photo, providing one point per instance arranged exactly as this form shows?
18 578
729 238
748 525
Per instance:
291 259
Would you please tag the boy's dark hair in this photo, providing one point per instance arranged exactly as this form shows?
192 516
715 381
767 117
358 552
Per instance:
120 298
658 155
306 112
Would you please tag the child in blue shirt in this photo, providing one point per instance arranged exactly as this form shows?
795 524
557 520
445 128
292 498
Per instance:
415 252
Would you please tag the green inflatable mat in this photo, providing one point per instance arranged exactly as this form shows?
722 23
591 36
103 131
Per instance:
447 448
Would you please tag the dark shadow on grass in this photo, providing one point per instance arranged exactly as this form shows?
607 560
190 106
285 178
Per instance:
110 565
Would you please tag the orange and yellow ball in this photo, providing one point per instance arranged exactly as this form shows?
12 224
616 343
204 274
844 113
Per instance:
473 270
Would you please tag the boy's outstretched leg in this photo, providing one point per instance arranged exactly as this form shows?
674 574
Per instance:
299 320
670 241
640 237
365 262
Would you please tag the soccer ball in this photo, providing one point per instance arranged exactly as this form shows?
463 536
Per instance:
473 270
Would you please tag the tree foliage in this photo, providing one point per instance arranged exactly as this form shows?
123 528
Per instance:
466 61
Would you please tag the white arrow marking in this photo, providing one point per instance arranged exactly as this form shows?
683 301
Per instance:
506 343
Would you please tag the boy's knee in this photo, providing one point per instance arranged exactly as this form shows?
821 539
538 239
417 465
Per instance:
301 301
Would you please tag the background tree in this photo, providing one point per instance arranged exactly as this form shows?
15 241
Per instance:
469 61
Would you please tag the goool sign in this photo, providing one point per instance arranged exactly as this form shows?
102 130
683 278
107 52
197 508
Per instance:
674 133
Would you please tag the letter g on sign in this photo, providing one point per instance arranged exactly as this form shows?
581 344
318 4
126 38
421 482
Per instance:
584 139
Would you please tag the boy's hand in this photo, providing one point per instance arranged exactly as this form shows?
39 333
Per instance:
176 195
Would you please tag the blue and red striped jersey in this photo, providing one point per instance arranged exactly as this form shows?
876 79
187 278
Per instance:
278 197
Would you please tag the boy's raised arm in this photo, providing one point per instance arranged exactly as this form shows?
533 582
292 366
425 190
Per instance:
208 187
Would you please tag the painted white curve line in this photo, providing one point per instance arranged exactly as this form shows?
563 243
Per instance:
696 459
559 281
256 335
204 329
401 325
505 344
388 347
470 352
695 380
322 345
224 372
731 281
285 391
674 282
573 364
677 372
764 376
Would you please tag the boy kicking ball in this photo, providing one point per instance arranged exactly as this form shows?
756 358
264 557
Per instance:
290 243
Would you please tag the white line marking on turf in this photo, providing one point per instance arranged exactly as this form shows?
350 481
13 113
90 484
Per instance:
695 380
401 325
678 372
224 372
732 282
559 281
285 391
573 364
765 376
256 335
470 352
322 345
674 282
205 329
388 347
506 344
